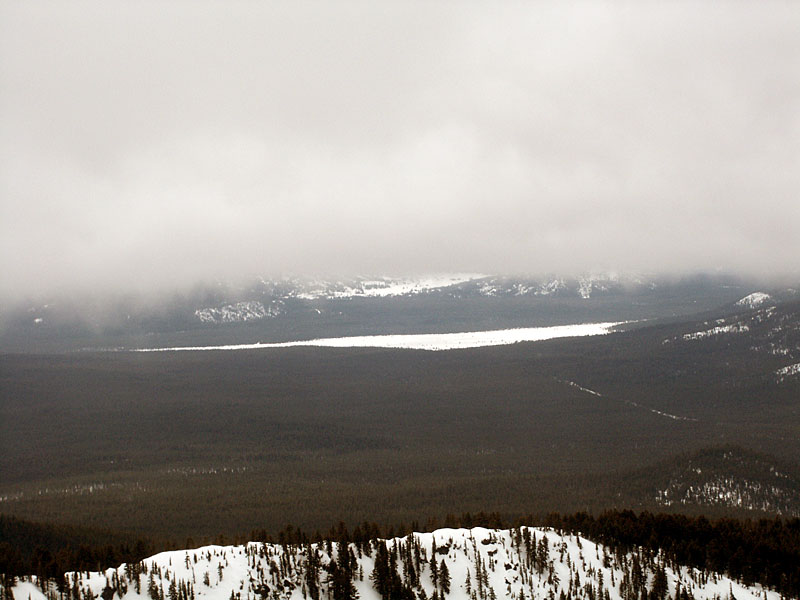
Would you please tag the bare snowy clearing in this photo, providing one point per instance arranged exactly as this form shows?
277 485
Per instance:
426 341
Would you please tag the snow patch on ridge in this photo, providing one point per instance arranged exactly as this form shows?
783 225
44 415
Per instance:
787 372
733 328
237 313
754 300
727 491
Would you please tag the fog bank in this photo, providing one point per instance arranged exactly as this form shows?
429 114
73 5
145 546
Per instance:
147 146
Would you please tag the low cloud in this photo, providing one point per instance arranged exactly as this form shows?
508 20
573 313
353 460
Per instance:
144 147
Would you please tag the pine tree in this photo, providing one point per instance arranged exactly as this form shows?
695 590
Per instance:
444 577
342 574
380 576
660 586
152 589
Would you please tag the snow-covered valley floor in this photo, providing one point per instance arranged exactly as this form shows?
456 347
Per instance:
426 341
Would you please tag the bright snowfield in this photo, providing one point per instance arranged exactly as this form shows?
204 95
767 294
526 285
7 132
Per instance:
754 300
483 564
427 341
386 286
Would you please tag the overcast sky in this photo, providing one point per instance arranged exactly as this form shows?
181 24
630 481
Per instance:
155 144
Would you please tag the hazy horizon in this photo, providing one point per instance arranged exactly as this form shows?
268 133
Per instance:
147 147
151 295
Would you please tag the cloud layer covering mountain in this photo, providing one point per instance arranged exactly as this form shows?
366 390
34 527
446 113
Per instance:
143 146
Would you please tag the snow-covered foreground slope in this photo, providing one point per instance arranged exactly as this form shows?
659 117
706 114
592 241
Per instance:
427 341
480 564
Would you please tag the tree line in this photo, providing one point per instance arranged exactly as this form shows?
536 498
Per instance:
765 551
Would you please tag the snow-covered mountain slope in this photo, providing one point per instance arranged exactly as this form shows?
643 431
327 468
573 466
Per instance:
239 312
466 285
584 286
754 300
464 564
380 287
769 330
458 285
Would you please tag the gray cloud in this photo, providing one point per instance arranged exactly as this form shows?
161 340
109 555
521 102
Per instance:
144 144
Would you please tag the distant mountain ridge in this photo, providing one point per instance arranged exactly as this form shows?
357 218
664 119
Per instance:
296 308
769 329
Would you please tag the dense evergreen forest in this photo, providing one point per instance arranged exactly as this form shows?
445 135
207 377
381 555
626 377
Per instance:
663 418
765 551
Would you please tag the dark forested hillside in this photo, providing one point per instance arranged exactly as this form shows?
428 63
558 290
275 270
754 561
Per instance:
49 550
208 443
